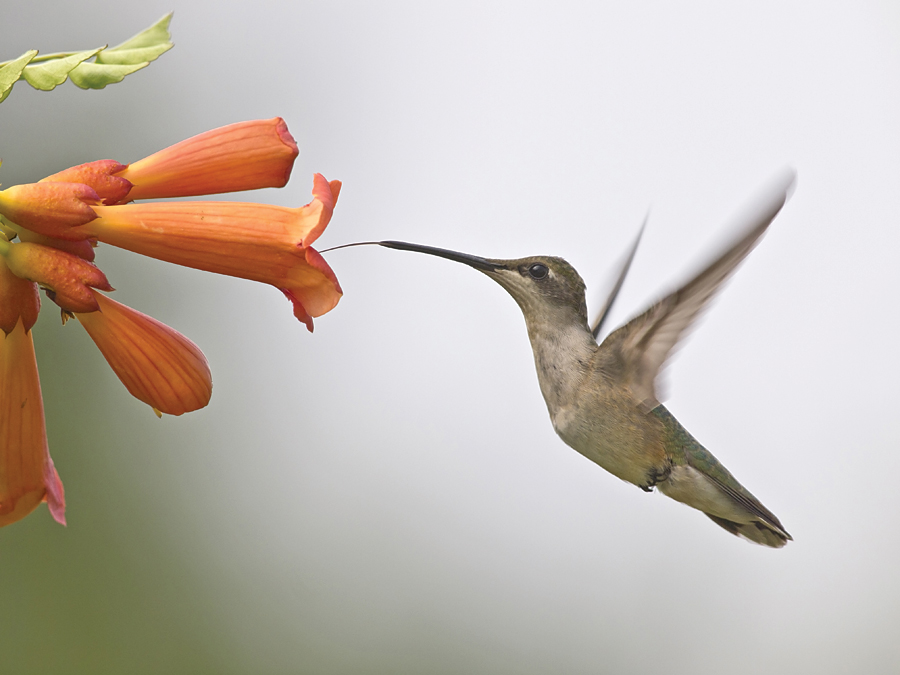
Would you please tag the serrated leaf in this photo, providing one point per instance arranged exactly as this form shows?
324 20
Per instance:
48 75
12 71
126 57
46 72
98 75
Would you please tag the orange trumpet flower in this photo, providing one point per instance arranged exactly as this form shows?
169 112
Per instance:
157 364
260 242
242 156
60 219
27 474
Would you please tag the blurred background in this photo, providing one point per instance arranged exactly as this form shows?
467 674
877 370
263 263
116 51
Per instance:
387 495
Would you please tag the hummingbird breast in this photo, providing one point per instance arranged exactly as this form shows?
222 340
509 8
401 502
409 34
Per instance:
591 411
612 430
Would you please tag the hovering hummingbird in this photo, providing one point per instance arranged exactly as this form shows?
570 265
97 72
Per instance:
604 400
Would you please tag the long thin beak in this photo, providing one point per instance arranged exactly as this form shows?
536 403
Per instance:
482 264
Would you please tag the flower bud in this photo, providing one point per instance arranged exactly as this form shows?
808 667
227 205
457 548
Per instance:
51 209
68 277
97 175
19 299
242 156
157 364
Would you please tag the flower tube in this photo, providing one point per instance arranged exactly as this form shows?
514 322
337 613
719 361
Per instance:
67 277
157 364
27 474
242 156
260 242
99 175
52 209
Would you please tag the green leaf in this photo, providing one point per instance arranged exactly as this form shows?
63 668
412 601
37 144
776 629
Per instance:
12 71
46 76
48 71
98 75
157 34
127 57
144 47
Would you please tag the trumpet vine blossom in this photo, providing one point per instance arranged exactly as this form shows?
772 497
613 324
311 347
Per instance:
48 232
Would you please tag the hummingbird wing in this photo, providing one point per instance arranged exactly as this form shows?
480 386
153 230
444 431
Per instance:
647 341
626 265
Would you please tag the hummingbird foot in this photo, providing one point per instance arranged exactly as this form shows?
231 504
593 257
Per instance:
655 476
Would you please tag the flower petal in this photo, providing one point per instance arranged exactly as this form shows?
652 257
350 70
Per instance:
252 241
99 176
325 196
242 156
83 249
157 364
27 475
51 209
68 277
314 289
18 299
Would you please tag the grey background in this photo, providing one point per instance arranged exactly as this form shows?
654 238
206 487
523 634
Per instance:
387 495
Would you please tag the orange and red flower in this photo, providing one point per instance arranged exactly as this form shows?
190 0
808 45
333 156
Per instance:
27 475
260 242
157 364
237 157
60 219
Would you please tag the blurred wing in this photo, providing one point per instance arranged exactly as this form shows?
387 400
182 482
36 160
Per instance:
648 340
626 265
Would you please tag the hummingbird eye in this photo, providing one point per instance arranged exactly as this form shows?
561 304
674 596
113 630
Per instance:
538 270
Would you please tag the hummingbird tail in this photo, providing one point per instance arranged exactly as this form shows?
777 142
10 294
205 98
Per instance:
758 531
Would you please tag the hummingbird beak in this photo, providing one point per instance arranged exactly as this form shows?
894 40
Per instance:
482 264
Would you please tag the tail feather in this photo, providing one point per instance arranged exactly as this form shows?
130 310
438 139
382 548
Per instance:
757 531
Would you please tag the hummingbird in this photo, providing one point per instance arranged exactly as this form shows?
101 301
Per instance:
604 399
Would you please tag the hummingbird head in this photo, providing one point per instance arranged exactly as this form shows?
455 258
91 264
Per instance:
547 289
